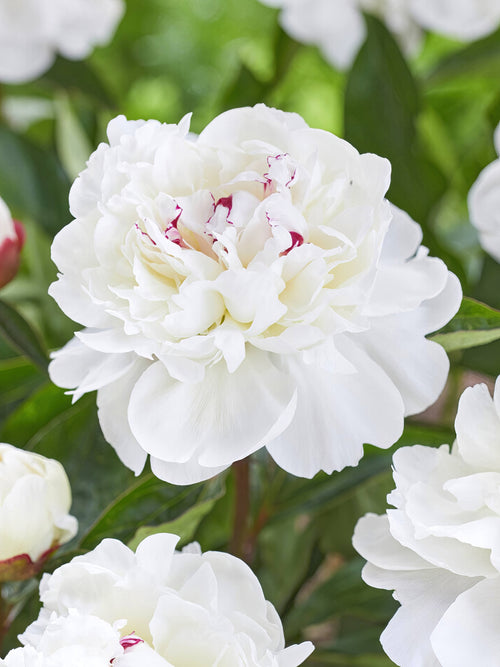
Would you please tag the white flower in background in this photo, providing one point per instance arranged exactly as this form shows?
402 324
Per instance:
11 242
250 287
465 20
158 607
484 205
32 32
35 498
439 549
337 27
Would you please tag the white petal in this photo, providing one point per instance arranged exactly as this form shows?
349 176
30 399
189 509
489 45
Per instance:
336 414
478 428
112 404
222 419
406 640
467 633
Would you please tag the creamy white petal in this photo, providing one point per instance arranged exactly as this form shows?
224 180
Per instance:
327 416
467 633
173 421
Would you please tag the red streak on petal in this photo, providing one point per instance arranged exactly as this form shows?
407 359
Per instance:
130 640
297 239
226 202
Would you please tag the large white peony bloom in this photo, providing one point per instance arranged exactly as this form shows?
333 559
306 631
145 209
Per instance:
33 31
11 242
35 498
439 549
484 204
157 607
248 288
337 27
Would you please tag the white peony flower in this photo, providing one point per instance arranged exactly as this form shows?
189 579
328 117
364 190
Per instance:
439 549
35 498
465 20
33 31
11 242
157 607
484 204
78 640
337 27
250 287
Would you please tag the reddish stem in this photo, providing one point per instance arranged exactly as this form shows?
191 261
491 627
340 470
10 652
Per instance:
239 546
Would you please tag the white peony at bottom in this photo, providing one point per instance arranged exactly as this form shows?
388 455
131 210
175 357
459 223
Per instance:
156 608
439 549
250 287
484 204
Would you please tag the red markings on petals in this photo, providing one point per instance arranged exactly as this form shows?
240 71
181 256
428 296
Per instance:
297 240
130 640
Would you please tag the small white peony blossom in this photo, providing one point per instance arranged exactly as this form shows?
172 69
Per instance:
33 31
11 242
35 498
250 287
337 27
158 607
439 549
484 204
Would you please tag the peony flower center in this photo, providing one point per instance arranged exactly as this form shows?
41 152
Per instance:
243 213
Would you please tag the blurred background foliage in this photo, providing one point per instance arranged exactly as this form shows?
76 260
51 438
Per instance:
433 117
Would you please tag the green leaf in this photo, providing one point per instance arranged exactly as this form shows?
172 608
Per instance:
18 379
77 75
381 99
36 413
343 593
73 145
185 524
480 57
32 182
382 103
16 330
147 500
474 324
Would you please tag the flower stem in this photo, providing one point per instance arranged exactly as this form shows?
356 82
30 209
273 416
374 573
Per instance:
239 542
5 616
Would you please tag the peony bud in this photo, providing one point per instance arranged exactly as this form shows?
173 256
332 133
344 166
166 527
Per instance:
35 498
12 237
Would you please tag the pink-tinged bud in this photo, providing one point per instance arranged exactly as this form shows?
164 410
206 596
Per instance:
12 236
19 568
35 498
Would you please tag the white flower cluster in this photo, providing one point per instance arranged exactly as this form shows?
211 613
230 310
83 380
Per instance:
248 287
157 607
337 27
439 549
32 32
11 243
484 204
35 498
